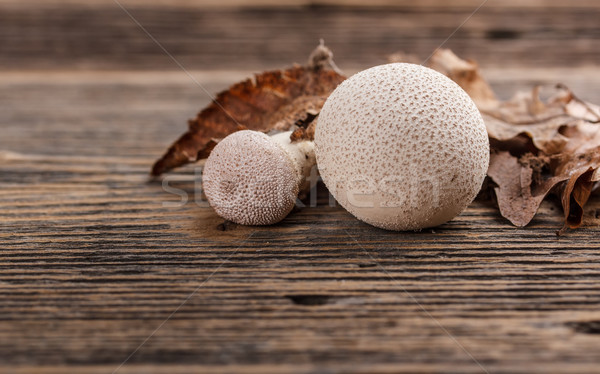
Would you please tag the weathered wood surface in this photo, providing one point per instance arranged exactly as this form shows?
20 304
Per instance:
94 257
99 35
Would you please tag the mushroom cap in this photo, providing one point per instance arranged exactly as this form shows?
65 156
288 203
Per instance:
250 179
401 147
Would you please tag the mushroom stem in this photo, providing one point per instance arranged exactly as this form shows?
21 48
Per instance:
302 153
254 179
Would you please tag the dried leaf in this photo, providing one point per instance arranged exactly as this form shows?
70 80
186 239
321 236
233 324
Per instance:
545 123
538 146
522 185
513 191
582 171
273 100
306 129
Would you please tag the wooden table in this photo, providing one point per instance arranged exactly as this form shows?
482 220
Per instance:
102 270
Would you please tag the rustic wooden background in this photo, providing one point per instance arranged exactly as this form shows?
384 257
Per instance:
95 258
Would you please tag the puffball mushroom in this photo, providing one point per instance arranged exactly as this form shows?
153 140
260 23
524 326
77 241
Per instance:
251 178
401 147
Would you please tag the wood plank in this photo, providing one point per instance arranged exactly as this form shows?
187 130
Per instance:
99 35
93 261
426 4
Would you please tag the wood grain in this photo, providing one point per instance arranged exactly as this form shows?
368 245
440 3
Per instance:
95 256
99 35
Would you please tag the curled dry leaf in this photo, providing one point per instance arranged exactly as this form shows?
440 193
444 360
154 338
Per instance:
306 128
538 146
273 100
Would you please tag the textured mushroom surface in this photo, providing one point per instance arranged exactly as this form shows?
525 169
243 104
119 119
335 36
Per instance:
401 147
250 179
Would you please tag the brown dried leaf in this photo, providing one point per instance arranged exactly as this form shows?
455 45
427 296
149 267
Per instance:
522 185
273 100
582 172
538 146
545 123
306 128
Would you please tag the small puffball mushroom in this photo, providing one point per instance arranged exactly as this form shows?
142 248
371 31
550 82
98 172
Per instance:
254 179
401 147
